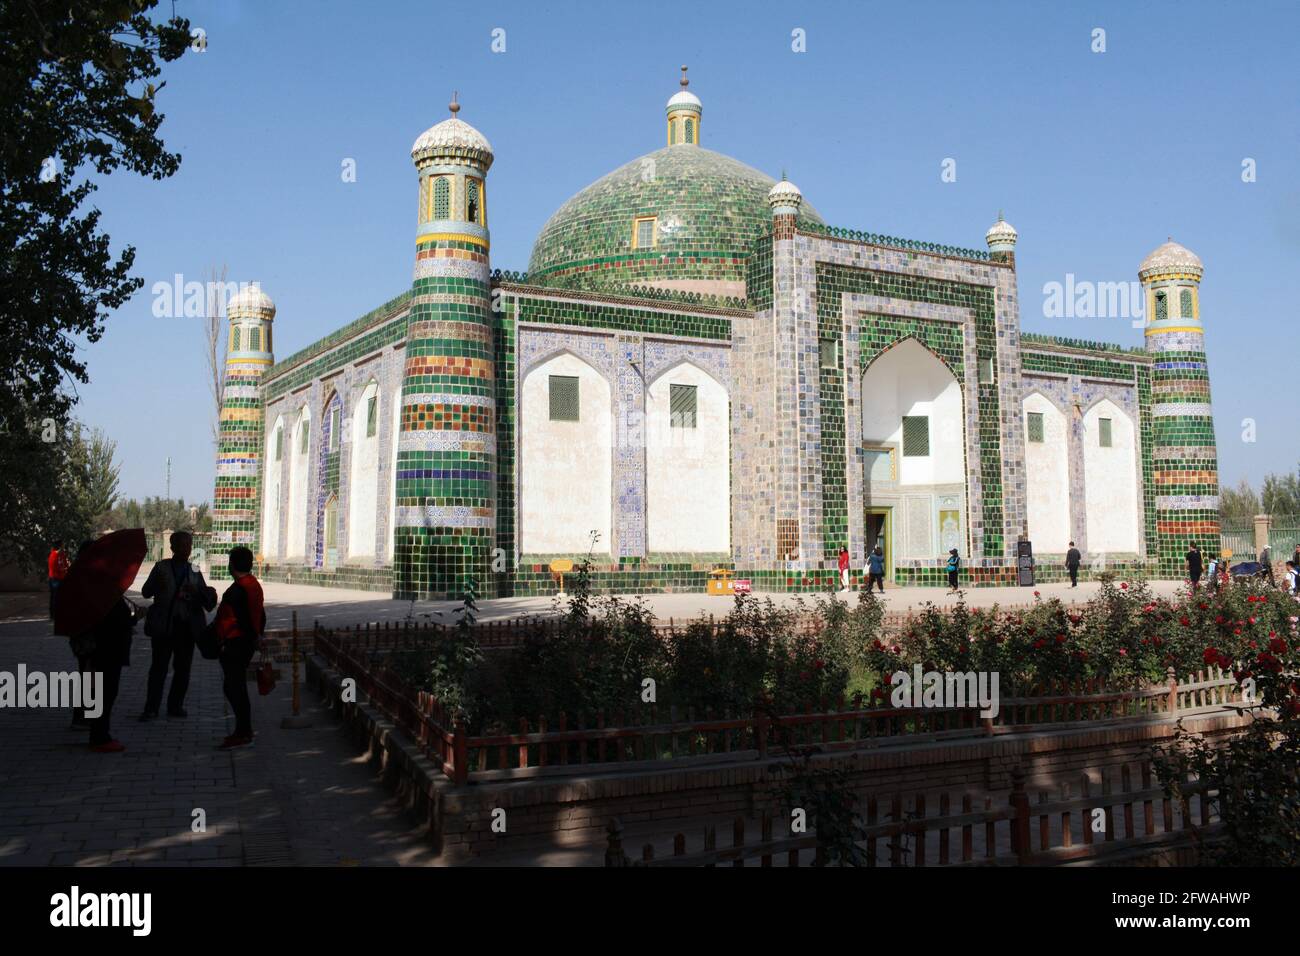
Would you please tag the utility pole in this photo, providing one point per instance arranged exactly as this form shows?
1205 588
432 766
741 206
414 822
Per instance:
168 496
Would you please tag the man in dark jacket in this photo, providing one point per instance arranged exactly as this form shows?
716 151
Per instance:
180 596
1072 561
1194 564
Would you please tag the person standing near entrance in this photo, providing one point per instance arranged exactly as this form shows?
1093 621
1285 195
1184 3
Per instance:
876 569
1266 563
180 597
1072 561
954 566
1194 565
844 569
57 569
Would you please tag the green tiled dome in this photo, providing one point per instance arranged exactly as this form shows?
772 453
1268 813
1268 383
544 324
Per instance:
709 209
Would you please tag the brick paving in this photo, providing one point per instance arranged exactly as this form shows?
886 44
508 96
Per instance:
297 797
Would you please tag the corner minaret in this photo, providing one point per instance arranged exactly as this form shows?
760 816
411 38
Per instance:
446 451
684 111
1185 465
1001 238
235 503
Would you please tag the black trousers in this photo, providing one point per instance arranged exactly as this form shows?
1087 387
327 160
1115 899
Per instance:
54 589
874 579
952 580
236 654
100 732
1074 574
178 650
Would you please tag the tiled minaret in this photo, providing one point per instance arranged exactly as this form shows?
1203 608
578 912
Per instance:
446 458
235 505
1185 467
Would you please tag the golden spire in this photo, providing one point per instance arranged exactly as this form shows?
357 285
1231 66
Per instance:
453 105
685 82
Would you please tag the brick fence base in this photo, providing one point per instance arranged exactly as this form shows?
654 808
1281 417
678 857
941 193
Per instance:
575 808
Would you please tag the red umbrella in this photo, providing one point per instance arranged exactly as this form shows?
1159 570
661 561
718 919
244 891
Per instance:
97 580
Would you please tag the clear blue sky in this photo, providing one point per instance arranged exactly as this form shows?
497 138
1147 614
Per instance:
1095 158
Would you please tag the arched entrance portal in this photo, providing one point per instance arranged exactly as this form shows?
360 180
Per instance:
914 456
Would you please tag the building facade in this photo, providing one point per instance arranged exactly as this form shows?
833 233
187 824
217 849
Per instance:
697 372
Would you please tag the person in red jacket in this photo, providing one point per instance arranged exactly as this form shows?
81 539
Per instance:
240 623
56 566
844 569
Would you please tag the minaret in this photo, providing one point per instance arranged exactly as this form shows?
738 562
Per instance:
1001 238
1185 466
684 110
446 457
235 499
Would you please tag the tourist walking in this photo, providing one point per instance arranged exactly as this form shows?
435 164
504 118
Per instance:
56 570
1266 560
239 625
954 566
1293 578
876 569
1194 565
1072 561
844 569
180 597
1212 575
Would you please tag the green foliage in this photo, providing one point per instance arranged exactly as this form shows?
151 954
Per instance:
827 795
159 514
76 100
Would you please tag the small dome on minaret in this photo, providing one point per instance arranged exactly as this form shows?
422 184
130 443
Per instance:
1001 236
784 197
452 139
250 302
1171 259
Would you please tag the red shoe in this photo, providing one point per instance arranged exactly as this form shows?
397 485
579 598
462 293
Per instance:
109 747
234 741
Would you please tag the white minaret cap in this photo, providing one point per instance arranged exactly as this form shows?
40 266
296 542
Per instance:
452 139
251 301
1171 258
684 99
785 195
1001 236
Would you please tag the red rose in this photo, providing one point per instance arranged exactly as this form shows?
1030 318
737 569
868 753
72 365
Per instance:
1123 585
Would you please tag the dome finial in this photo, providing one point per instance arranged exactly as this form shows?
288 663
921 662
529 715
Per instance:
453 105
684 81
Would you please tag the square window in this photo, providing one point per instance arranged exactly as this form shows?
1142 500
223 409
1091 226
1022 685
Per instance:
1104 432
830 353
644 237
682 406
986 370
1036 426
564 398
916 436
372 416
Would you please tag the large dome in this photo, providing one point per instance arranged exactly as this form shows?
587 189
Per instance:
707 208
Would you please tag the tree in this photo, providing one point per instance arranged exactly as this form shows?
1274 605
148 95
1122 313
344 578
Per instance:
76 100
1281 494
100 474
1238 506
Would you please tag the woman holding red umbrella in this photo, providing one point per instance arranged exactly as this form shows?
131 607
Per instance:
94 614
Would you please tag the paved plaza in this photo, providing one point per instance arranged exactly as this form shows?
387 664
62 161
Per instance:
297 797
338 607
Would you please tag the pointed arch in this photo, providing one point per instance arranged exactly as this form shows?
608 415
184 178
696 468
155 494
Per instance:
1110 478
363 473
272 474
301 446
565 456
688 446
